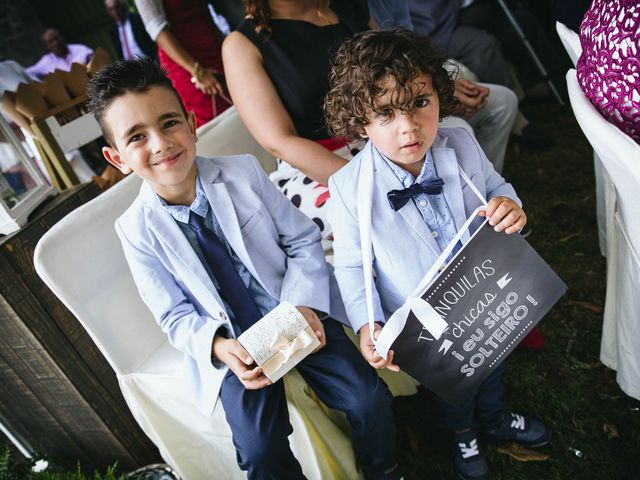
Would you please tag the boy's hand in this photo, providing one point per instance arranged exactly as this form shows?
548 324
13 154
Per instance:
233 355
505 214
369 352
315 323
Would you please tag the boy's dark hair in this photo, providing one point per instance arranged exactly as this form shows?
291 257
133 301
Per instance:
119 78
366 60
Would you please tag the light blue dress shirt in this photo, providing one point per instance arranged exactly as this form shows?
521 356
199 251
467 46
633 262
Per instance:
433 208
263 300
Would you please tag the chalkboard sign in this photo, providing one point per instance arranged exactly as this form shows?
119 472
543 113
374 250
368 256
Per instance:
491 295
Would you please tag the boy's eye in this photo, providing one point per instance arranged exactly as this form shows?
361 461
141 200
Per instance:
136 137
421 103
169 123
385 113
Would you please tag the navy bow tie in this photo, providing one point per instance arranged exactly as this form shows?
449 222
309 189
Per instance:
399 198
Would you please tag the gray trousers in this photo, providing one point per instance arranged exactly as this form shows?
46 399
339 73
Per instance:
492 125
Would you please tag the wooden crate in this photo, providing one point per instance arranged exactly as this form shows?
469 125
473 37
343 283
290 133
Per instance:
58 394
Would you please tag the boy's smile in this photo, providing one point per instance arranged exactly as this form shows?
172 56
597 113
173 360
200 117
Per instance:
153 138
405 135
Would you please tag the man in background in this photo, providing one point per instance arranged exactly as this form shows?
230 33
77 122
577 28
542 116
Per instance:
128 33
61 55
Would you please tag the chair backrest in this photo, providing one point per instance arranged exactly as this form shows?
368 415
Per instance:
227 135
82 262
570 40
618 152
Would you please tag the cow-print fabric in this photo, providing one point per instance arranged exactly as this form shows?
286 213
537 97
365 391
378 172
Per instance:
309 196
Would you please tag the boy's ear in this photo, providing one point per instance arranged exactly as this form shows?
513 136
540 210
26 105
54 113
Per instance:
112 156
191 120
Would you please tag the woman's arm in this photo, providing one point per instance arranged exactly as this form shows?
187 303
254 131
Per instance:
203 77
262 112
155 22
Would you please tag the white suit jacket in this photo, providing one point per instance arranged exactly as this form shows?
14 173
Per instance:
403 246
278 245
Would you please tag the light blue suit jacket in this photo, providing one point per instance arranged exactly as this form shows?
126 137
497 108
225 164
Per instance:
278 245
403 246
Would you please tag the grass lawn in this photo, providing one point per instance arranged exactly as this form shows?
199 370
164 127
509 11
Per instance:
565 385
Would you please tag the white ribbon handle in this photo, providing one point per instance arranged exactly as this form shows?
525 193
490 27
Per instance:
289 348
424 312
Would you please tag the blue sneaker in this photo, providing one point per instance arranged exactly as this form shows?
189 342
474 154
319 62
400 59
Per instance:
518 428
470 462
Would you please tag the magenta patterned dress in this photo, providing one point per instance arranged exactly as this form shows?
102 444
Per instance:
609 67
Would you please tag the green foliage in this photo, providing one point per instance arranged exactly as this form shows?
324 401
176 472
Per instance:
14 467
110 474
6 466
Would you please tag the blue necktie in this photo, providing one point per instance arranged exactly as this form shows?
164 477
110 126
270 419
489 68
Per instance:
399 198
232 288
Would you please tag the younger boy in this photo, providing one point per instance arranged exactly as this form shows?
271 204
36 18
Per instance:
391 88
213 246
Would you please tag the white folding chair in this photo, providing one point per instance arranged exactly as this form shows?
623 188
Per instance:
570 41
620 155
81 260
605 193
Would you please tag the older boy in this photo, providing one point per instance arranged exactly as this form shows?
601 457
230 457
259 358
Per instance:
391 87
213 246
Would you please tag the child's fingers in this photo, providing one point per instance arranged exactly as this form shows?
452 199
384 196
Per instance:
370 354
236 365
508 220
492 205
518 225
257 383
318 329
237 350
500 212
248 375
393 367
390 365
378 362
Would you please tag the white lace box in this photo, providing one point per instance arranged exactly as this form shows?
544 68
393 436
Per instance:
279 340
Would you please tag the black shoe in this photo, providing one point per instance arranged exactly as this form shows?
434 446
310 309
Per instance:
470 462
518 428
533 136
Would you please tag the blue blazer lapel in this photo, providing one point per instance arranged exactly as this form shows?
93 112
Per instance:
447 167
220 201
385 180
174 241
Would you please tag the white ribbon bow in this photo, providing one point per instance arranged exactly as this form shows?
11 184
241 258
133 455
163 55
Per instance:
287 348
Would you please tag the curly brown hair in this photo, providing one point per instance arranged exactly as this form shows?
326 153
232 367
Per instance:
365 61
260 12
